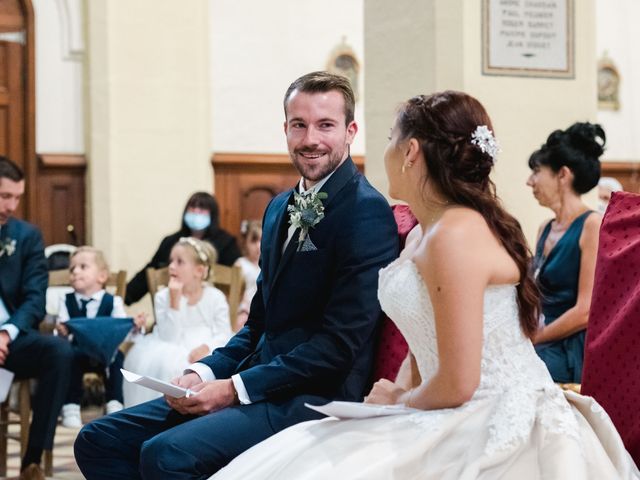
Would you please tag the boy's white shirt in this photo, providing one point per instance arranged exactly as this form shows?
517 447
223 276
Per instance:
92 307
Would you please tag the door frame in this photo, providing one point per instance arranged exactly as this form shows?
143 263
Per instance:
29 80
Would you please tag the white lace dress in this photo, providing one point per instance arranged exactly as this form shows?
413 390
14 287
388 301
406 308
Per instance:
518 425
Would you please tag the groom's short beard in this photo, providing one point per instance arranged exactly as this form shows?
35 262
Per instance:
321 171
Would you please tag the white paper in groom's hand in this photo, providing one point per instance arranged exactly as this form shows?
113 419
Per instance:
346 410
6 379
165 388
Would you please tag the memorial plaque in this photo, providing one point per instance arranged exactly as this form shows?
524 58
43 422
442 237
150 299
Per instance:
528 38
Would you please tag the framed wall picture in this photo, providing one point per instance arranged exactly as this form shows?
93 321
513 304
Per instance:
608 84
343 61
533 38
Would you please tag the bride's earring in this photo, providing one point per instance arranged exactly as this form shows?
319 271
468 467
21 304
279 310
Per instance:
404 168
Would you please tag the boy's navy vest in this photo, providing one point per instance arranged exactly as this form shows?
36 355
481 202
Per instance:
104 310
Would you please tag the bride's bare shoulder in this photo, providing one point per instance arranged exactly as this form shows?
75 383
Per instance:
462 233
460 223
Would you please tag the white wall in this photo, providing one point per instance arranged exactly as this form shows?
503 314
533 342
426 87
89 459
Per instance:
148 121
59 76
257 49
617 33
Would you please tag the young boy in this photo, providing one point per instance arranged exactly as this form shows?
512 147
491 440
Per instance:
89 273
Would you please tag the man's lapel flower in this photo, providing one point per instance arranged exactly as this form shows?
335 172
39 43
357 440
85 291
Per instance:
7 247
305 213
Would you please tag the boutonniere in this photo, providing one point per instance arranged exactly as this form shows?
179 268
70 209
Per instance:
7 247
305 213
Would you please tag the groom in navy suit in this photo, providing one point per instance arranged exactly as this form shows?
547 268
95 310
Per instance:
23 283
311 329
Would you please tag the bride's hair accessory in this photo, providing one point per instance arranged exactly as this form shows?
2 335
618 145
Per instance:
483 138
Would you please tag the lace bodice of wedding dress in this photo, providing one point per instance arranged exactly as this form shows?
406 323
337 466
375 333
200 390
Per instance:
511 372
508 356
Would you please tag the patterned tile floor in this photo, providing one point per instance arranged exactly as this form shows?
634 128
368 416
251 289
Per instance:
64 465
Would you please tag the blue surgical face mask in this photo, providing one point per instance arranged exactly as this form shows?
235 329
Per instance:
197 221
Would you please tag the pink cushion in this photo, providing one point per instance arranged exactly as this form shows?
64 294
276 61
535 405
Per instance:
392 347
611 371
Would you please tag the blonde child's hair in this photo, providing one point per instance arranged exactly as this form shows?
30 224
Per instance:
203 254
98 257
250 230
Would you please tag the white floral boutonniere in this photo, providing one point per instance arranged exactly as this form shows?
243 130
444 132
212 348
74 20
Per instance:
306 213
7 247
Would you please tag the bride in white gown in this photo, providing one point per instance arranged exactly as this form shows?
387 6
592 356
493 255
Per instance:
462 297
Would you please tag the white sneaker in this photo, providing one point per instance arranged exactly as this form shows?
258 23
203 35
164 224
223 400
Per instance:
71 416
113 406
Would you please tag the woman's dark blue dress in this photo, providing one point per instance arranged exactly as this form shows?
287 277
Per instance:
557 276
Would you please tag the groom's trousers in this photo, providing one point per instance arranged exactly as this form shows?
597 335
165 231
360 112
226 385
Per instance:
152 441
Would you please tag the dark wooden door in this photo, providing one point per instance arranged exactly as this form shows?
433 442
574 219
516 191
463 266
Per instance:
12 85
55 193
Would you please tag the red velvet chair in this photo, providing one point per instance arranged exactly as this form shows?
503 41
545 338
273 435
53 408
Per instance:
392 347
611 372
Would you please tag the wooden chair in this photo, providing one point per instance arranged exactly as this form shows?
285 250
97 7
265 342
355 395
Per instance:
228 279
117 280
57 278
23 419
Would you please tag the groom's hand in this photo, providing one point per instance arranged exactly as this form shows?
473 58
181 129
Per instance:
190 380
208 397
187 381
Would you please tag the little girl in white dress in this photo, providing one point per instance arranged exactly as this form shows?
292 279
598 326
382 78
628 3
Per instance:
192 319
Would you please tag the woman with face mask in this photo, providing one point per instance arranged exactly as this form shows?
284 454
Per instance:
199 220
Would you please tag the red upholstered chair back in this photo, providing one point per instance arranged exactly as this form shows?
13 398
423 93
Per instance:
392 347
611 372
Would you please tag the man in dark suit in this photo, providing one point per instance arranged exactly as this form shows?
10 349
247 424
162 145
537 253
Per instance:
311 329
23 284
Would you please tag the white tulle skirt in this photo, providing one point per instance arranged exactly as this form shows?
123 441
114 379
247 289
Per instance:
156 358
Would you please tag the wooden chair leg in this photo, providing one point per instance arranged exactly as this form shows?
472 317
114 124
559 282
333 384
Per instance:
48 463
4 431
24 407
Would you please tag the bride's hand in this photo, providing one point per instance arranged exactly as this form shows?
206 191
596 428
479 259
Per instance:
384 392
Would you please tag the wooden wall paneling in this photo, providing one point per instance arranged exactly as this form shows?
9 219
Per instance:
61 198
627 173
244 183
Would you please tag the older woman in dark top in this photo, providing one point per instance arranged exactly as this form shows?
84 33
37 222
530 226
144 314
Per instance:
563 169
200 220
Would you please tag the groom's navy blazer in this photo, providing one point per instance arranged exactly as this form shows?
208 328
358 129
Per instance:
23 275
311 331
